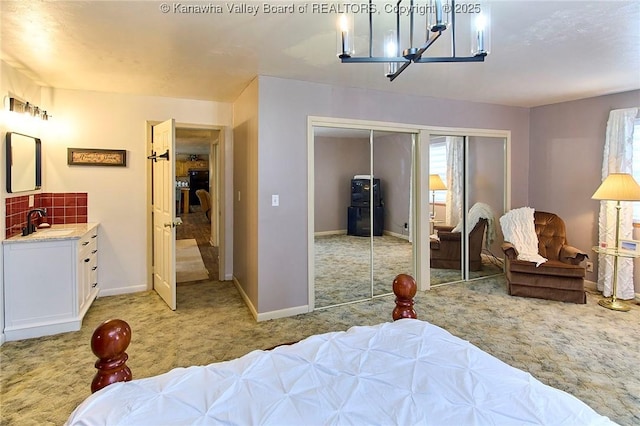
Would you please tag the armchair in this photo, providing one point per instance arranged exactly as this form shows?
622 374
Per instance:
560 278
446 251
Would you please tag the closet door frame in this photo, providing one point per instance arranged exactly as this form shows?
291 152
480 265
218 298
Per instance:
420 218
371 126
426 136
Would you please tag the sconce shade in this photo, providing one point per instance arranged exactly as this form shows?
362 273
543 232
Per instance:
619 187
435 183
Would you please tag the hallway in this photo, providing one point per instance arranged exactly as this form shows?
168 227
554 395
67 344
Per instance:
195 225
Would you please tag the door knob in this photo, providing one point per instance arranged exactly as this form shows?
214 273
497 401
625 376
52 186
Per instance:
173 224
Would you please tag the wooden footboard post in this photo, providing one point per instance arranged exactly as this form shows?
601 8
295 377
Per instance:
404 287
108 343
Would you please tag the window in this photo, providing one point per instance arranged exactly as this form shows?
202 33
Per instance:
438 165
635 166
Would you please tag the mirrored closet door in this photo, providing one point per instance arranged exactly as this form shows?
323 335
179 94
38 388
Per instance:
470 201
362 204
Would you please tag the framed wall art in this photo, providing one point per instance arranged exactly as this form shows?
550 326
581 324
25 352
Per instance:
96 157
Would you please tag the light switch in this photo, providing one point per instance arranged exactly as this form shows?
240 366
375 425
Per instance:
31 201
275 200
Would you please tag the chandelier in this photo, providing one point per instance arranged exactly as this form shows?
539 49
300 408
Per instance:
437 16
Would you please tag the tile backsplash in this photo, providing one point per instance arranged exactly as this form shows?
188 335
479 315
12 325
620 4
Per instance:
62 208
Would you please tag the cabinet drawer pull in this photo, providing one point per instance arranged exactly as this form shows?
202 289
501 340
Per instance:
94 284
87 259
94 251
94 268
94 236
85 243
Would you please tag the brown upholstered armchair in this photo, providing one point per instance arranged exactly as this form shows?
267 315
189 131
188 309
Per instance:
560 278
446 251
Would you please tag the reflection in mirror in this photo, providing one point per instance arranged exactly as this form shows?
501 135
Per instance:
392 243
446 161
483 183
486 192
23 165
342 262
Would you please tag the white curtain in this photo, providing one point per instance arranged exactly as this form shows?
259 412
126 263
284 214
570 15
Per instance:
618 155
455 178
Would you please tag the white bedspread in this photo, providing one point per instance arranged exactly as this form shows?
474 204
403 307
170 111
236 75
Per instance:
402 373
518 227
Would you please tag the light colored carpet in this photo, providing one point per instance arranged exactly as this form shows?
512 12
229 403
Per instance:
586 350
343 267
189 263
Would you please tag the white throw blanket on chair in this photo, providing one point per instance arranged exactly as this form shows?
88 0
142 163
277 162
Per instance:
476 212
518 227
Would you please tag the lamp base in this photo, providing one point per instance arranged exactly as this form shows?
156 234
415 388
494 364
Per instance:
614 305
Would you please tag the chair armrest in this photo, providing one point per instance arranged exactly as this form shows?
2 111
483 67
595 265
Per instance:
443 228
570 254
449 236
510 250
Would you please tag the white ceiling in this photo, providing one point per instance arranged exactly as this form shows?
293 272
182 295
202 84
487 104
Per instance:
542 51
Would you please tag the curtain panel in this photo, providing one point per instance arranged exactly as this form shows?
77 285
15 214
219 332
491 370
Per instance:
618 156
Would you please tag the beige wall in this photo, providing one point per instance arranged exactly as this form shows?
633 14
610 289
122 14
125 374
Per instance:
85 119
566 151
284 107
336 160
116 196
15 84
245 193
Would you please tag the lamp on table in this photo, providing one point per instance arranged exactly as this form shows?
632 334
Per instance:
435 184
617 187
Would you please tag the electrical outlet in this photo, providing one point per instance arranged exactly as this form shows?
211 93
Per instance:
589 266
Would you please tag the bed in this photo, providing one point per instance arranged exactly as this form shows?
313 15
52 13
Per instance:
403 372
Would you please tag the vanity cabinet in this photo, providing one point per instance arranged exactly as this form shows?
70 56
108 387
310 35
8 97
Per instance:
50 280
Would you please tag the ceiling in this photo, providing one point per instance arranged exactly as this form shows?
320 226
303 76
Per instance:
542 51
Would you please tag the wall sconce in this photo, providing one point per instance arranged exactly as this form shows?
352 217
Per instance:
16 105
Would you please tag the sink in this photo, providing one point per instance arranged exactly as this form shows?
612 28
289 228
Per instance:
56 232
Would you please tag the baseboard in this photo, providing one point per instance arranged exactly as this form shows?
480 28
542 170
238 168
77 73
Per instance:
282 313
265 316
121 290
395 234
228 277
246 299
336 232
593 286
2 339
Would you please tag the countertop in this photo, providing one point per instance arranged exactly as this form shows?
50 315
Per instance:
55 232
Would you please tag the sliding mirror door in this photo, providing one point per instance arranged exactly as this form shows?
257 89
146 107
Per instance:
486 202
446 198
342 256
362 212
392 236
474 169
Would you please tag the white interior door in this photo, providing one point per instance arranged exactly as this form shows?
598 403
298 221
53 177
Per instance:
164 212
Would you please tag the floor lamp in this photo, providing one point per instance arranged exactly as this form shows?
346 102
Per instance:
435 184
617 187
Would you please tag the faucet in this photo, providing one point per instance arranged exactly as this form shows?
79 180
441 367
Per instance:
31 228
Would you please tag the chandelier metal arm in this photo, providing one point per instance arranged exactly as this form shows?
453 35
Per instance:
412 54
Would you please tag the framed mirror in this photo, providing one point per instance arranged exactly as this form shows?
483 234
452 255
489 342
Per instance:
24 158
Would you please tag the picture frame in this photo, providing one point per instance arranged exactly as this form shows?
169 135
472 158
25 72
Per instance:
96 157
629 246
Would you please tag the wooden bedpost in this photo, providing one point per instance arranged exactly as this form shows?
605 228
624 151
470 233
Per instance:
108 343
404 287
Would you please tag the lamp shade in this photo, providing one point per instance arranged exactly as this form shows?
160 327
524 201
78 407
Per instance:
618 186
435 183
